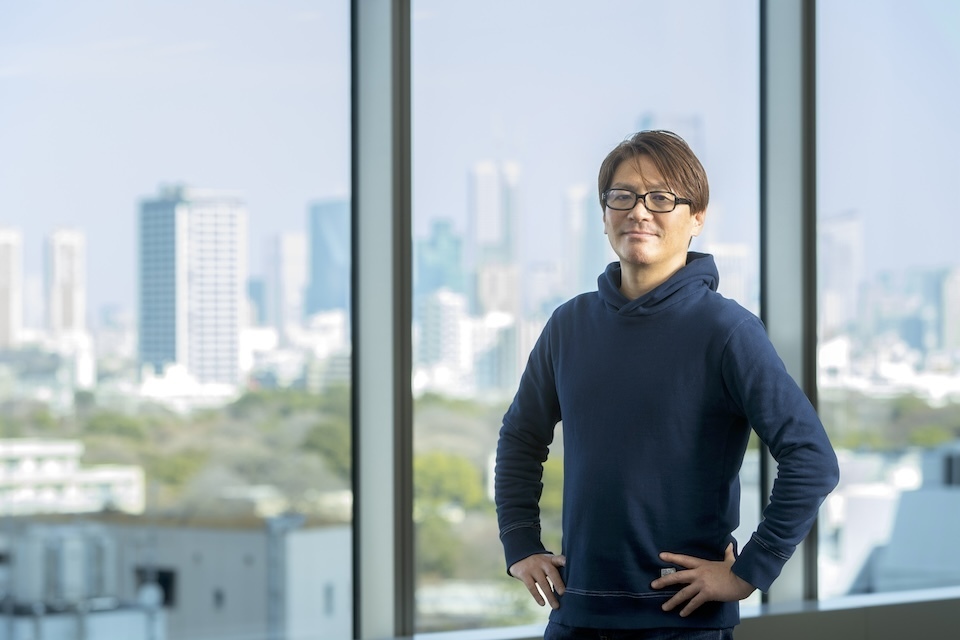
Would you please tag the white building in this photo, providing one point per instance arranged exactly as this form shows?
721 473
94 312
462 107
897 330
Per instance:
11 287
45 476
443 343
66 282
193 265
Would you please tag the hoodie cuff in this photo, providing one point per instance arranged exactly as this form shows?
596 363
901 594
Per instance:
521 542
758 565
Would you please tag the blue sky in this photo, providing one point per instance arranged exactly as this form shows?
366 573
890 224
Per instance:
100 102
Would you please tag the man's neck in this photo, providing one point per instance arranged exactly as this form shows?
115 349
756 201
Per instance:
638 280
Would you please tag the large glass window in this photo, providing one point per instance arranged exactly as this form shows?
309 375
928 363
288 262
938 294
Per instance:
174 333
515 106
889 293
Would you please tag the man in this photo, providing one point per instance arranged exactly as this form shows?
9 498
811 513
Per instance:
658 380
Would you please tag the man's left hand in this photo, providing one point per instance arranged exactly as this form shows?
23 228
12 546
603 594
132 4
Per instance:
705 580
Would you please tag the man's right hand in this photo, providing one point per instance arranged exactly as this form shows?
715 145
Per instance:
540 570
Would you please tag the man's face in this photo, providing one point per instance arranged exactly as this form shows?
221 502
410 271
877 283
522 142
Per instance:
650 241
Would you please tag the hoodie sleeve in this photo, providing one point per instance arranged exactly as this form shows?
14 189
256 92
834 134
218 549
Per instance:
788 425
525 436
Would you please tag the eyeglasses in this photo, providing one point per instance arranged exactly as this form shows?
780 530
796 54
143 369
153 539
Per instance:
655 201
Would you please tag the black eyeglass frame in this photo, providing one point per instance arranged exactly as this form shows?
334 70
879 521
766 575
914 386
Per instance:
642 197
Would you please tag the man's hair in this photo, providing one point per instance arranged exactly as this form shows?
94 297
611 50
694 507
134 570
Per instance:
673 158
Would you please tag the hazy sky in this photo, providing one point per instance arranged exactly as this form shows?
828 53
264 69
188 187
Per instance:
102 101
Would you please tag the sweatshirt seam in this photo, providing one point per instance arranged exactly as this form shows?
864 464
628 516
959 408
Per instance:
769 549
637 595
519 525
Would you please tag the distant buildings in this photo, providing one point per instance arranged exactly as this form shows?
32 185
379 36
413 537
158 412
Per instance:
11 287
329 255
66 282
45 476
193 268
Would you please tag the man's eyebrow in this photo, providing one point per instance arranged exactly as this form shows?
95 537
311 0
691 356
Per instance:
657 186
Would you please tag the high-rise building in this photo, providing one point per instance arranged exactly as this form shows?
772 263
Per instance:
439 260
492 217
193 268
257 301
11 287
329 238
492 213
285 281
841 253
65 272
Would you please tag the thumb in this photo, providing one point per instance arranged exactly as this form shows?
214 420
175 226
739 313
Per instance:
728 555
559 561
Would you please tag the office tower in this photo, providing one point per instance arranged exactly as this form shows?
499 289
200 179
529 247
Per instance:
439 260
11 287
257 301
840 270
492 212
65 270
329 237
492 217
285 281
193 268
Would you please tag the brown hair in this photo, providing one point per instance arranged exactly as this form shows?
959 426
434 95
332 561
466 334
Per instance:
676 162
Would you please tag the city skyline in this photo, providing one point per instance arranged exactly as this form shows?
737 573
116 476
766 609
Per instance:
100 81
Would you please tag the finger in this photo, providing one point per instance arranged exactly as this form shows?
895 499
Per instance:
549 594
559 561
556 581
534 591
693 605
677 599
689 562
668 580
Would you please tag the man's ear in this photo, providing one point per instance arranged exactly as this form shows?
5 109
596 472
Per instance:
699 218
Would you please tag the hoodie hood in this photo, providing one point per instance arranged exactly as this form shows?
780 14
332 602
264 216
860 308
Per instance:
700 272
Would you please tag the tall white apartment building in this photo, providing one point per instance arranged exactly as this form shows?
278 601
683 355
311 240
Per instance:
65 269
193 269
11 287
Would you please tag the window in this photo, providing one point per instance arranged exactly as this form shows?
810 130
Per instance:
889 293
507 143
150 155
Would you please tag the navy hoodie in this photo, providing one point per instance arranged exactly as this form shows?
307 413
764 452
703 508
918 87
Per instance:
657 396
